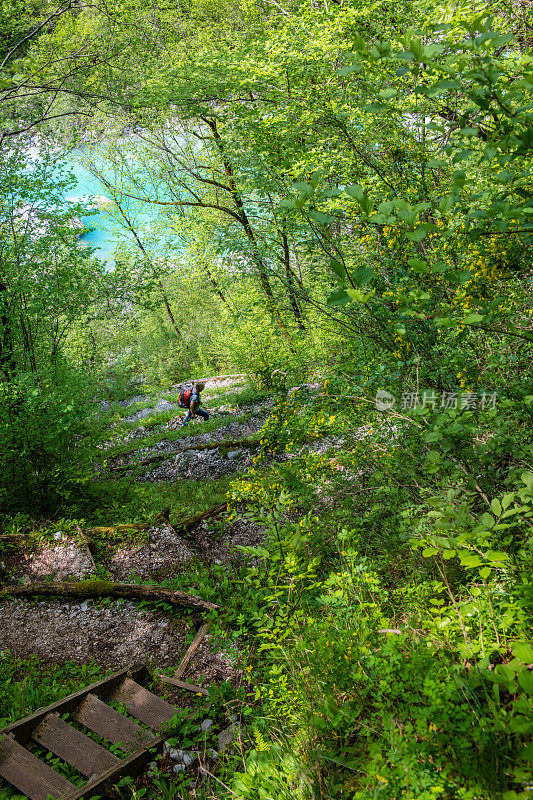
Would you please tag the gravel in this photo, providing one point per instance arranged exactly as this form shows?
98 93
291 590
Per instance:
59 562
160 407
159 557
198 464
114 635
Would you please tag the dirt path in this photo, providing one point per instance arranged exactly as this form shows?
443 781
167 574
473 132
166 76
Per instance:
118 633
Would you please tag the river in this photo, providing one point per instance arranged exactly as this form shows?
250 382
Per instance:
105 232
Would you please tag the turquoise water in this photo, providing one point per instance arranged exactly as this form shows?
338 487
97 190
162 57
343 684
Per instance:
106 232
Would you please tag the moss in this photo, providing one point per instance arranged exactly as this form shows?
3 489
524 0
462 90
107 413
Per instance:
91 587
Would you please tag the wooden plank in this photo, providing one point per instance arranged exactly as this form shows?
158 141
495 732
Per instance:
73 746
144 705
28 774
109 723
131 765
190 687
22 729
193 647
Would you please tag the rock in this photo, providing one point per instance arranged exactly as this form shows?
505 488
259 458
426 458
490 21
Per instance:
212 753
179 767
174 754
58 535
206 724
166 748
226 737
187 759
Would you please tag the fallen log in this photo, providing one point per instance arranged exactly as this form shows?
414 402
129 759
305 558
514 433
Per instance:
188 523
122 528
232 444
97 588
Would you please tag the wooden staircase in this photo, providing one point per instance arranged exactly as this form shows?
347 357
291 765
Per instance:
90 709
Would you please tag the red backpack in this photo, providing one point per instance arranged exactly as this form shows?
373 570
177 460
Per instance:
184 399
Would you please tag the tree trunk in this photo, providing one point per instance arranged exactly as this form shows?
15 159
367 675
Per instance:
97 588
290 277
8 365
245 222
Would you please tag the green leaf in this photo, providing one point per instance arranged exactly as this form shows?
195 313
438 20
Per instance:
523 651
429 551
323 219
525 680
485 572
473 318
355 191
470 561
362 275
419 265
338 298
496 507
459 178
507 500
417 235
338 269
348 70
497 555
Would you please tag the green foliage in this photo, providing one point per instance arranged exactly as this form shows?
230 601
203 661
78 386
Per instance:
28 685
352 192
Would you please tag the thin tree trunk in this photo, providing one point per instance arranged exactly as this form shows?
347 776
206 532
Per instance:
8 365
245 222
290 278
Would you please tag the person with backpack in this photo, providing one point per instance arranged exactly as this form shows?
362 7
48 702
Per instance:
190 399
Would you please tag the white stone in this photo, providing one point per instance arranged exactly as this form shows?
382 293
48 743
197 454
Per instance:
206 724
179 768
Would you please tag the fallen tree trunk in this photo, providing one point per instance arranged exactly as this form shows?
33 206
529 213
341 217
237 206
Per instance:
188 523
97 588
234 444
123 527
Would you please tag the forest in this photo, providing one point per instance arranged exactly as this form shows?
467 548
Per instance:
321 211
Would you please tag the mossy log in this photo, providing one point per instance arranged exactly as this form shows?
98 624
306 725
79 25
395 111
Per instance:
122 528
100 588
188 523
232 444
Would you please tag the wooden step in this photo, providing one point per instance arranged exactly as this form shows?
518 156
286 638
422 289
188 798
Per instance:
110 724
23 728
144 705
29 775
73 746
131 765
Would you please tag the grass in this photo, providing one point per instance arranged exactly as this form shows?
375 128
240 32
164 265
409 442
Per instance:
125 501
29 684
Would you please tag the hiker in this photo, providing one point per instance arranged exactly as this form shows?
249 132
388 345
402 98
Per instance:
191 400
